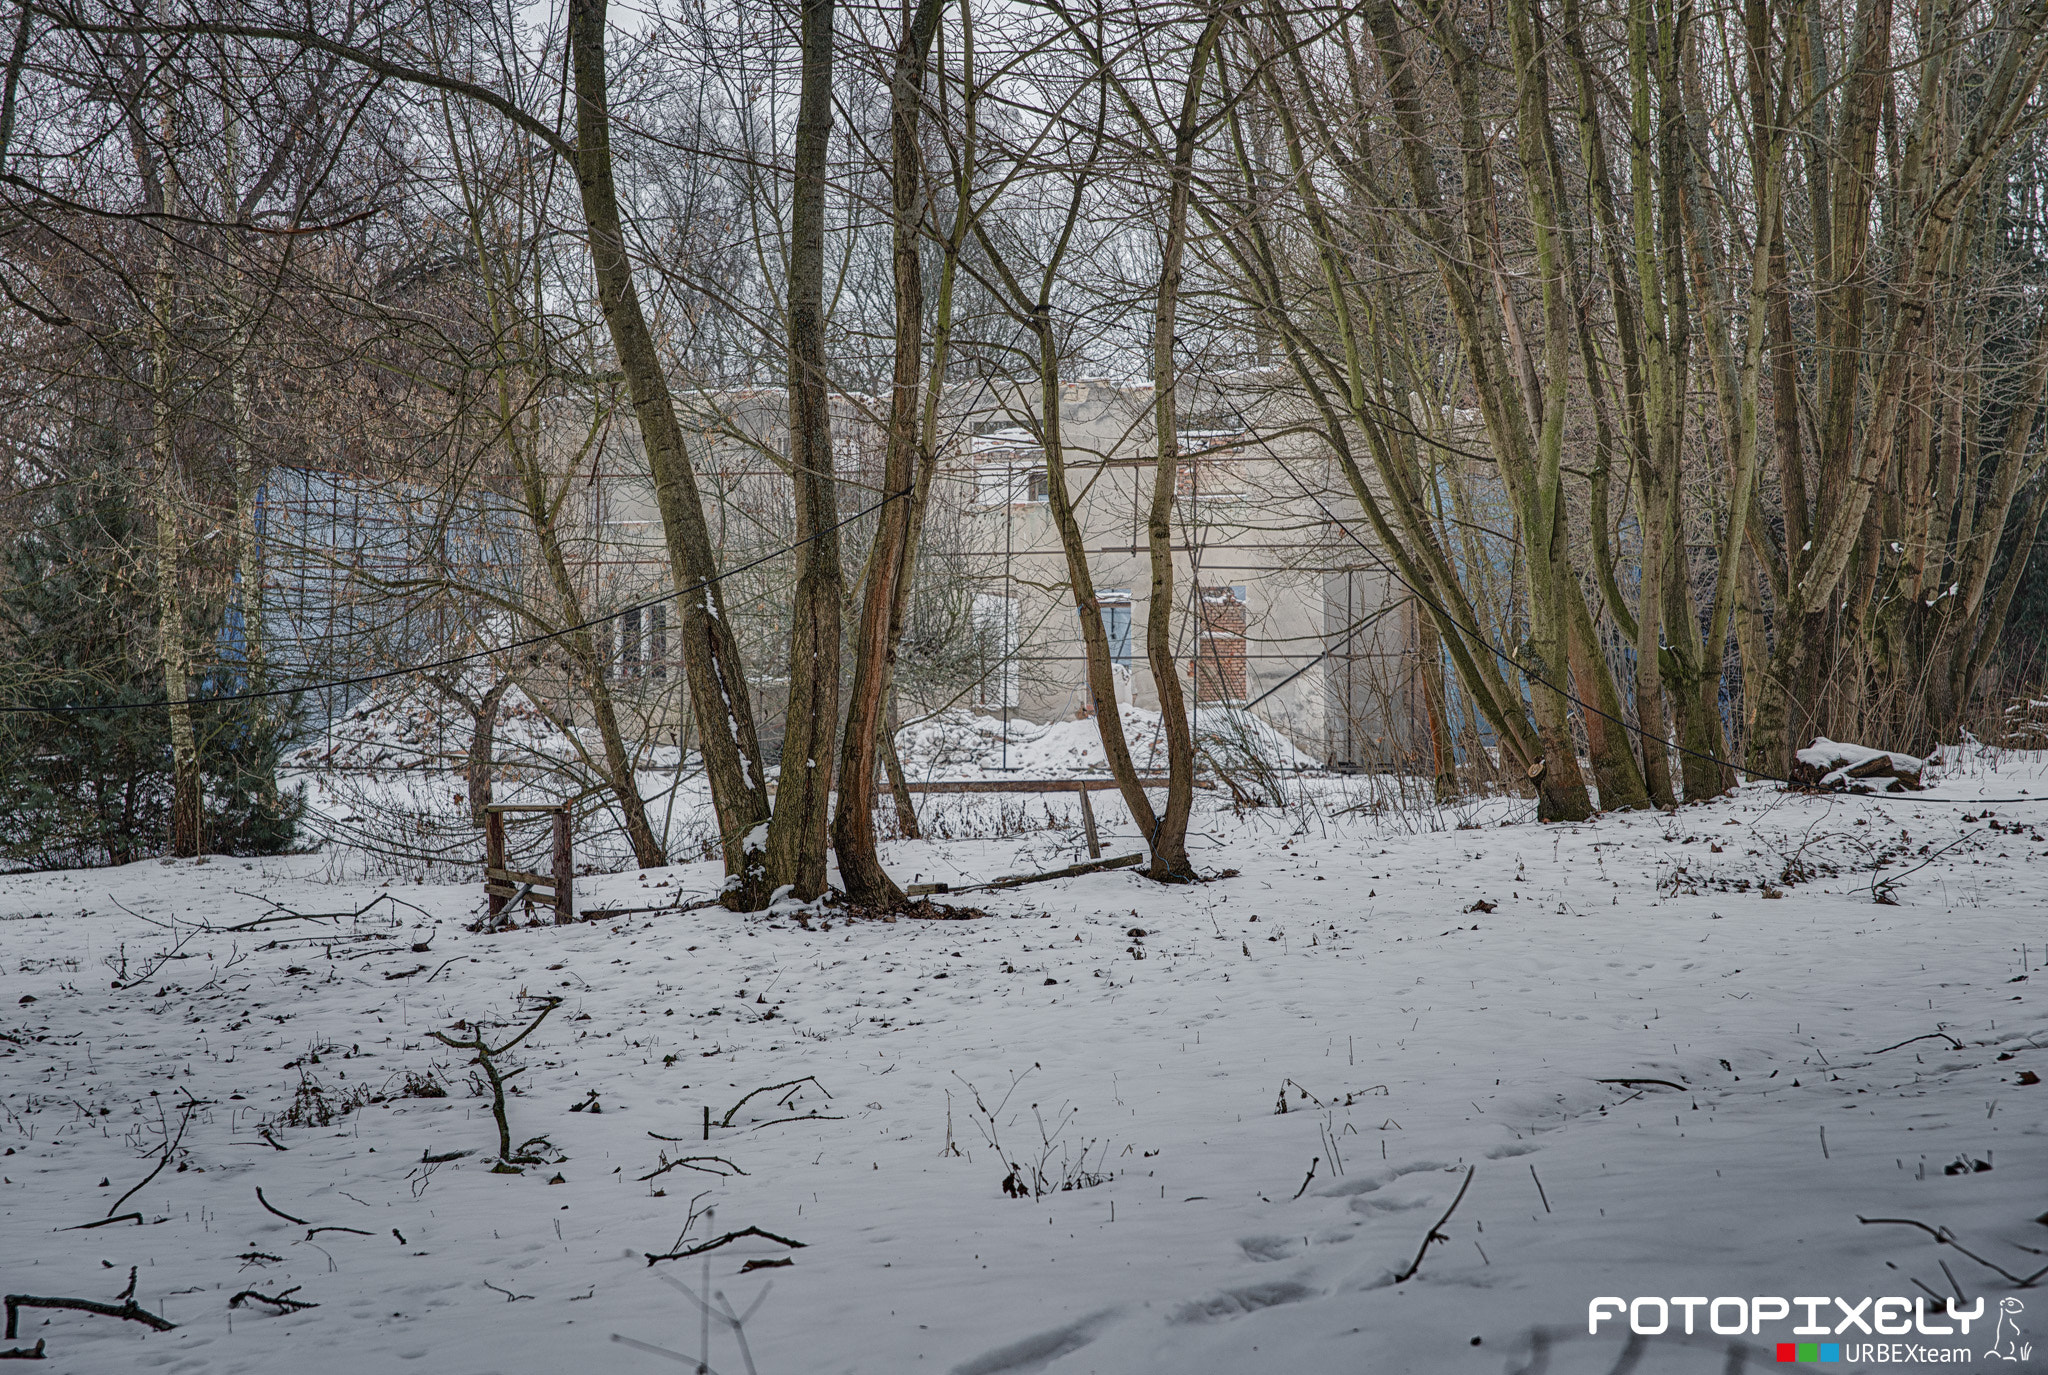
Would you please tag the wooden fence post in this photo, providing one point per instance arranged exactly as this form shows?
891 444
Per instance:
1088 820
494 858
565 870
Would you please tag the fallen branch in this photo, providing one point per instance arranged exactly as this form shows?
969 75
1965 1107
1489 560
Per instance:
1953 1043
726 1121
1947 1238
283 1303
130 1311
1071 871
806 1117
135 1218
312 1232
607 913
169 1149
145 1180
1665 1082
689 1162
278 1212
444 964
1436 1232
713 1245
281 913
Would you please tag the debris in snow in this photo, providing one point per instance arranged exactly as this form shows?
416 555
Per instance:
1832 766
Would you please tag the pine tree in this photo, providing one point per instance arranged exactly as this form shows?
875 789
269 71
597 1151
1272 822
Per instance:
85 763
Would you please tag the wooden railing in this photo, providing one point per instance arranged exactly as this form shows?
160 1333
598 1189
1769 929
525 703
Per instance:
506 886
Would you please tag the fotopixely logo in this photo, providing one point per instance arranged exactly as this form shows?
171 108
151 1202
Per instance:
1837 1319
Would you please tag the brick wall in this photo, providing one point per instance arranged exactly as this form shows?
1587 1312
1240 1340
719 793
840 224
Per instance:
1219 664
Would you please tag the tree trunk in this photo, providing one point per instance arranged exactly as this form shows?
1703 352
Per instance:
719 698
899 786
853 826
482 753
1168 835
1429 667
174 646
796 833
619 773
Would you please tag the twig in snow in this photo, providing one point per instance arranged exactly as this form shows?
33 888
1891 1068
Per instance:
130 1310
1436 1232
168 1149
1630 1082
1539 1189
283 1302
278 1212
279 912
1298 1089
690 1162
510 1297
135 1218
714 1244
1881 890
806 1117
726 1121
1948 1238
1953 1043
1307 1178
486 1056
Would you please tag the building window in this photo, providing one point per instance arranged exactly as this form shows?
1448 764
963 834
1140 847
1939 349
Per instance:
657 635
629 644
1004 480
1115 603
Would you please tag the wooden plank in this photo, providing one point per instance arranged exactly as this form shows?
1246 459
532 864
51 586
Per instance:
508 895
520 876
917 890
1088 820
1071 871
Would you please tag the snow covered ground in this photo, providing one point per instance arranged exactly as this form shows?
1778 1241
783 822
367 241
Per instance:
1832 1055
